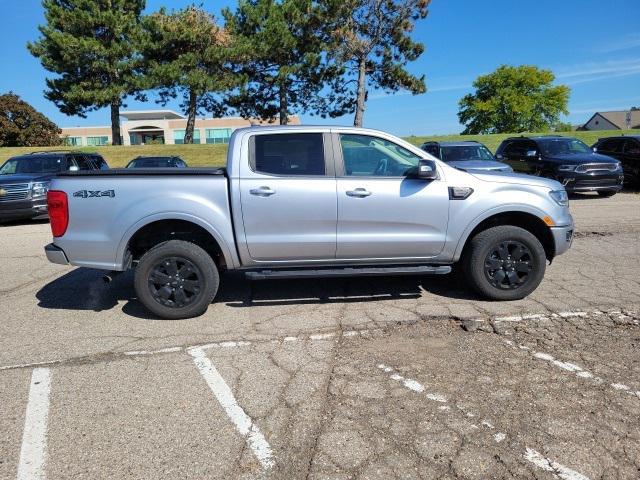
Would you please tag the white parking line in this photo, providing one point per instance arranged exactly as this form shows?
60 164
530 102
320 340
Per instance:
575 369
558 470
244 424
34 437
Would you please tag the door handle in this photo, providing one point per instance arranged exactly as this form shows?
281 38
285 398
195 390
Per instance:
358 192
262 191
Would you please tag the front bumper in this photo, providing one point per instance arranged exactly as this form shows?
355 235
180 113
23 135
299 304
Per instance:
23 209
56 255
592 182
562 238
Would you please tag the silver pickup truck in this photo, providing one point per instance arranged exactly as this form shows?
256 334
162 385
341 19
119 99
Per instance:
308 202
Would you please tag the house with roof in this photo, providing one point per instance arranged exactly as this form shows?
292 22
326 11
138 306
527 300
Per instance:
160 126
613 120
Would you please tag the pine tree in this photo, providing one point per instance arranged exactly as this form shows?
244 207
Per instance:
90 47
187 54
372 41
283 46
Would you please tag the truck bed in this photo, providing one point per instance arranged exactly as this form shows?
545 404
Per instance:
129 172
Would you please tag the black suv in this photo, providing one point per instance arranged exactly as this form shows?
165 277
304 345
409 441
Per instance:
565 159
25 179
626 149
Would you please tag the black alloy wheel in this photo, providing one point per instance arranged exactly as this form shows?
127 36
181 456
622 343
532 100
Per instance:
175 282
508 265
176 279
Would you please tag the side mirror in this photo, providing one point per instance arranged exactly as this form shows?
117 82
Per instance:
427 170
499 156
74 168
532 153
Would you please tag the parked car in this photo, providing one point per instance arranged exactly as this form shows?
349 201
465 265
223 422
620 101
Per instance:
305 202
157 162
626 149
25 179
468 156
565 159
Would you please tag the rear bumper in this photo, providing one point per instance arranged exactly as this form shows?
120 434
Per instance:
562 238
22 209
56 255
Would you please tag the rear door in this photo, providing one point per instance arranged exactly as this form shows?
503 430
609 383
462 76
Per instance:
288 198
383 214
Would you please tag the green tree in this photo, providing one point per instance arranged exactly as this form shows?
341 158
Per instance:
512 100
281 45
187 54
372 42
90 47
21 125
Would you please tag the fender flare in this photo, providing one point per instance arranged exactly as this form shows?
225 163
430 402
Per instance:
508 208
229 258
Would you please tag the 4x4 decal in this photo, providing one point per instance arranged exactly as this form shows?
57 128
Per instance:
94 193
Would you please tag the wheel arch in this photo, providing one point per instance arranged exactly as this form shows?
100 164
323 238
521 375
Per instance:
517 218
156 229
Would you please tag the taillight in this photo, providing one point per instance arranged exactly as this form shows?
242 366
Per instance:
58 206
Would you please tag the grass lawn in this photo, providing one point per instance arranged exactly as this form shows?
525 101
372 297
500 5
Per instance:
215 154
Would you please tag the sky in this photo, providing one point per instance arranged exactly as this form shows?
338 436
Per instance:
593 46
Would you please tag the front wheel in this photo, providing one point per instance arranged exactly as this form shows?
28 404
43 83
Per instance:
176 279
505 263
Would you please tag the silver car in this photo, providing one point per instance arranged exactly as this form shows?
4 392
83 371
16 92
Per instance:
468 156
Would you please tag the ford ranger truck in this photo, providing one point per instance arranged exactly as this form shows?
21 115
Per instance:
300 202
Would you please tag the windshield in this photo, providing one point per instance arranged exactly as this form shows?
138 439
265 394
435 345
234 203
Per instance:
563 146
35 164
461 153
153 162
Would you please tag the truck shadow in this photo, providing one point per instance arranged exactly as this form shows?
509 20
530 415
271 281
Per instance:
85 289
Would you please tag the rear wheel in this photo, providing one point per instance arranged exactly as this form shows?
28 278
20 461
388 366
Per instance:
176 279
505 263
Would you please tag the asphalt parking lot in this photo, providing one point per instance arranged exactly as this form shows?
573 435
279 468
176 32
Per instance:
327 379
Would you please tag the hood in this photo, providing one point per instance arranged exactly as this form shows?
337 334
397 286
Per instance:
580 158
25 178
518 179
480 165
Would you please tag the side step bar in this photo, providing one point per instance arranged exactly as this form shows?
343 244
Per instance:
348 272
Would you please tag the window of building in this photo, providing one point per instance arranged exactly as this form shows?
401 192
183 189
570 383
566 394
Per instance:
291 154
97 141
218 135
73 141
178 136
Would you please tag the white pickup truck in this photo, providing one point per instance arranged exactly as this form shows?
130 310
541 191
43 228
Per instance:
307 202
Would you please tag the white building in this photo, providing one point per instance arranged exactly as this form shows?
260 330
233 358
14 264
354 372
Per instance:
158 127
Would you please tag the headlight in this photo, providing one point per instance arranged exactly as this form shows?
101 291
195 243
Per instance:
618 166
560 197
39 189
567 168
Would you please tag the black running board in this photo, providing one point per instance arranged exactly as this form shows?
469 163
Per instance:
348 272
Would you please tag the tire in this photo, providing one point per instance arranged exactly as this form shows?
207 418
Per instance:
606 194
176 280
510 250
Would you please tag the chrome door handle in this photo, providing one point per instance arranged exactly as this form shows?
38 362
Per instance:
358 192
262 191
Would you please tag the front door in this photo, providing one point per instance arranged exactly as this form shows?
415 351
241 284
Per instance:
383 214
288 197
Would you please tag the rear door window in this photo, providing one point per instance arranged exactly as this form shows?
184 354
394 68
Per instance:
295 154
